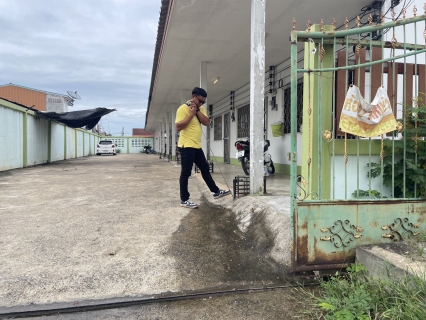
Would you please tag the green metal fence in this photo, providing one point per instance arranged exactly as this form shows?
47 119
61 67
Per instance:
357 187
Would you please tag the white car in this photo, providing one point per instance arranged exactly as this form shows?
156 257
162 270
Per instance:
105 146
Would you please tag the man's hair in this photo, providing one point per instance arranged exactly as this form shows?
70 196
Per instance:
199 92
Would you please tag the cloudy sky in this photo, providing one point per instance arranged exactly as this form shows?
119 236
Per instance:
103 49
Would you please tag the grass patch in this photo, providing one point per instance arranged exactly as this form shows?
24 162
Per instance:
353 295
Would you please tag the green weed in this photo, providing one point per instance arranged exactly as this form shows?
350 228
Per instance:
355 296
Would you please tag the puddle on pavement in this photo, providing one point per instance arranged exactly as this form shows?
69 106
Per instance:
210 251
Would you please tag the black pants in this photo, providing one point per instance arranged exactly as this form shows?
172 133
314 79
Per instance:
189 156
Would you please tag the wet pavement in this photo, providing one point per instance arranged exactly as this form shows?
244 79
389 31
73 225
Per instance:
108 227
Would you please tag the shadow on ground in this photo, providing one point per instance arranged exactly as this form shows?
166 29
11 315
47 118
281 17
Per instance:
210 251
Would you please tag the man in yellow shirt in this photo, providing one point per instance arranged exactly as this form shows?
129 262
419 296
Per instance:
189 118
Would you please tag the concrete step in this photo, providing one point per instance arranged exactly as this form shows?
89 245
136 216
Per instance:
395 260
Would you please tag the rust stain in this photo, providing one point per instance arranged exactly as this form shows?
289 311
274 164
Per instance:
302 250
340 255
325 255
302 243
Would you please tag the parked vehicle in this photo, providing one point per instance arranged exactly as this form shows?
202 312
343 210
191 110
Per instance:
105 147
147 149
243 156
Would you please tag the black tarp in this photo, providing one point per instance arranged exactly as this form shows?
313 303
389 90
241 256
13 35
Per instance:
77 119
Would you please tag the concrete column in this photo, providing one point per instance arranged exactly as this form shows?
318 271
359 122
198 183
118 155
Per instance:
161 138
168 132
174 141
157 138
203 84
165 144
257 84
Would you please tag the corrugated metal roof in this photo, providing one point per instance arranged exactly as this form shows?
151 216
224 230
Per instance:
141 132
47 92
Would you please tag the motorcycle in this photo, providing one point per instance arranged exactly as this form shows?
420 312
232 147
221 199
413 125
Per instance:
148 149
243 156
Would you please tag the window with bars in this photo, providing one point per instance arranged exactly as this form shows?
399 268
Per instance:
287 108
140 142
243 124
118 142
217 128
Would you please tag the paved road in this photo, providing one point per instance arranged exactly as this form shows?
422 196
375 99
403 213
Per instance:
108 227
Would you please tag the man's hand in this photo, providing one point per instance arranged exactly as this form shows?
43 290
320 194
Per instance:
193 108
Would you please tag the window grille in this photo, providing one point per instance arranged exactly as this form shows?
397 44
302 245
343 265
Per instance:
243 125
218 128
140 142
287 107
118 142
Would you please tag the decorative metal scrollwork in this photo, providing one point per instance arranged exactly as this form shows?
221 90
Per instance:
322 52
342 233
358 48
394 42
400 229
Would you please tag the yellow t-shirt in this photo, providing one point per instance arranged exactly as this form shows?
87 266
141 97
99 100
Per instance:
190 137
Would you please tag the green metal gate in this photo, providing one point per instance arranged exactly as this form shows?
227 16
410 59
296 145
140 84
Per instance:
356 190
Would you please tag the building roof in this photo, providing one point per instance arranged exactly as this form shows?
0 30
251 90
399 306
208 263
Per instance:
142 132
218 33
47 92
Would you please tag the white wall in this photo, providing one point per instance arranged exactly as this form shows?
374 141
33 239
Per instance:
11 137
13 127
57 142
337 172
37 140
70 142
279 145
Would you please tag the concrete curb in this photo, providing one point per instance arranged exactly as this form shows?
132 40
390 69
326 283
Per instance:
259 219
382 263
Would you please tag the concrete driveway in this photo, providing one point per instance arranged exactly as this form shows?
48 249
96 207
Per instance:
111 226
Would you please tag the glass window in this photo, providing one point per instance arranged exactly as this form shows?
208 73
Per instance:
217 127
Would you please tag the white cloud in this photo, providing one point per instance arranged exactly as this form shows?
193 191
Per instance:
103 49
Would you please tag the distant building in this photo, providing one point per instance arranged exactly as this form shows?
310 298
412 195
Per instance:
37 99
142 133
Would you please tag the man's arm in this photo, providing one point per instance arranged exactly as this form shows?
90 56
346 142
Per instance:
203 118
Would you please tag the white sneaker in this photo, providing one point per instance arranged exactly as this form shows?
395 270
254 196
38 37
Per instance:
221 193
188 204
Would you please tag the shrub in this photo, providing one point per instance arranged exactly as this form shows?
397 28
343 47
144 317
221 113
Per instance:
413 166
